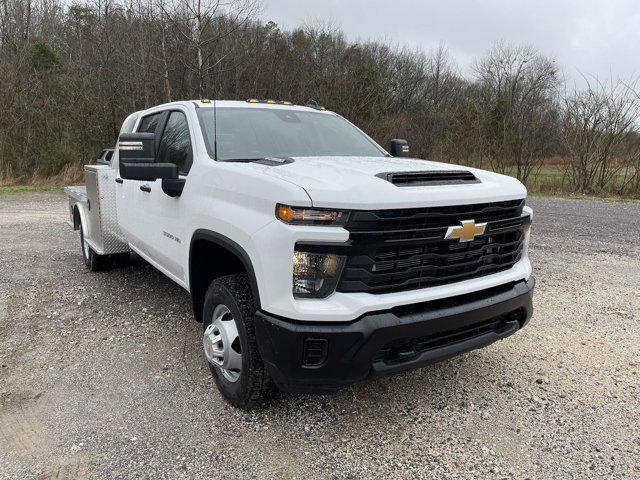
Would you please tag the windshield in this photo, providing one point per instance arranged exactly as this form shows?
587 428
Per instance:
253 133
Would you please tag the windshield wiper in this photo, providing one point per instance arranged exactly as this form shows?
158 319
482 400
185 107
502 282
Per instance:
242 160
268 160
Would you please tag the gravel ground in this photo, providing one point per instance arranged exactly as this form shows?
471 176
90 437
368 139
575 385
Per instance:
102 375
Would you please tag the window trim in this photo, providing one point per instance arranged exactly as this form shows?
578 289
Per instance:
153 114
157 132
164 121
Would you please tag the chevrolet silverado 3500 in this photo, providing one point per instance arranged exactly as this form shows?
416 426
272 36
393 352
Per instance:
314 258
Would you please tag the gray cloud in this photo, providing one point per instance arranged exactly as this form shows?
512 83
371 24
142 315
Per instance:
600 38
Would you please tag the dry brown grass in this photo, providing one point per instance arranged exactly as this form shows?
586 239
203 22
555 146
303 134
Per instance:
70 174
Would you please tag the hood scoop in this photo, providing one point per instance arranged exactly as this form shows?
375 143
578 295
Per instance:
275 161
435 177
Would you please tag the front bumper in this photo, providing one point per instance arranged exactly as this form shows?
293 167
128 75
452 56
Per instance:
312 357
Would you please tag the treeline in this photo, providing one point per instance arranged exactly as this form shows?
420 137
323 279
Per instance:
70 74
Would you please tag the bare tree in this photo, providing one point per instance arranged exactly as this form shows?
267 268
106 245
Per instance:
597 124
71 72
203 24
518 92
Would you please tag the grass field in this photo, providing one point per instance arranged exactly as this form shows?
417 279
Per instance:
13 189
551 180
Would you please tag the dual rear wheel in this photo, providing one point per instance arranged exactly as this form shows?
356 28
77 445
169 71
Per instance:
94 261
91 259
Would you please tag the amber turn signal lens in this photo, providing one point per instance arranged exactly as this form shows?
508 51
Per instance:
310 216
285 213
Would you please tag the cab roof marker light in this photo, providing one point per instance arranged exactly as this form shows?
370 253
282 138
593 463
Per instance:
205 100
270 101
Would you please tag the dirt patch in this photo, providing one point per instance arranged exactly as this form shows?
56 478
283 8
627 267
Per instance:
102 375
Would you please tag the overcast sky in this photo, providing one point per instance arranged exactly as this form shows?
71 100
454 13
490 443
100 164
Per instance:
600 38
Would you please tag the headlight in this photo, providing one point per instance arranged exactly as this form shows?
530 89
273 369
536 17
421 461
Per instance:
310 216
315 275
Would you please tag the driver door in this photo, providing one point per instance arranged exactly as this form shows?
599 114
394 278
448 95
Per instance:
166 214
155 220
133 206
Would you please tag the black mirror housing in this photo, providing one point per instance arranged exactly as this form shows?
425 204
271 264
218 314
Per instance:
148 171
137 147
173 186
399 148
137 159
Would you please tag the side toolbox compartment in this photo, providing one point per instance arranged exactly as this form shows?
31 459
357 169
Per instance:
96 203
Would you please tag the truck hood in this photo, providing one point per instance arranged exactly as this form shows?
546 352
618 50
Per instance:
351 182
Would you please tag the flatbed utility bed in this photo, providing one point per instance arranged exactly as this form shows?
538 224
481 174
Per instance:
77 195
77 192
92 208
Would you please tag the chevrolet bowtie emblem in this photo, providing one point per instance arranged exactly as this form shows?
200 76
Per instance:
466 232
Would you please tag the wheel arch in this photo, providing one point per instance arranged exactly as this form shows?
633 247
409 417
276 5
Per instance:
212 255
79 217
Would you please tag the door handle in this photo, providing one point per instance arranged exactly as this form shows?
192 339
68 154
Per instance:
119 180
145 188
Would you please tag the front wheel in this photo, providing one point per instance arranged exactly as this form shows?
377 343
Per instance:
230 343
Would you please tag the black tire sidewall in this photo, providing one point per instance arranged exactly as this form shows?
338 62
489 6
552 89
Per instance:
93 261
236 392
220 295
86 259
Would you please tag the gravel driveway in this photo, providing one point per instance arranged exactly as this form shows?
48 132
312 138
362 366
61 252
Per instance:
102 375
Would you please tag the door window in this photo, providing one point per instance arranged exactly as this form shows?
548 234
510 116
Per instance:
149 123
175 145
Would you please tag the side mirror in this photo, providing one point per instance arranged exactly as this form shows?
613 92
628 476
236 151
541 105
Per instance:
137 147
137 158
137 162
399 148
148 171
173 187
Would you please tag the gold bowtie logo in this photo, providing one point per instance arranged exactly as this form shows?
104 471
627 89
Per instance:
467 232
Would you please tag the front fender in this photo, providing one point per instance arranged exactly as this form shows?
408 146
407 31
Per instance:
233 247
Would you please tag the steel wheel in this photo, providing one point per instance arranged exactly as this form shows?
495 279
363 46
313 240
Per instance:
230 344
222 343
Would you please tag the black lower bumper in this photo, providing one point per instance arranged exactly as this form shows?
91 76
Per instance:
308 357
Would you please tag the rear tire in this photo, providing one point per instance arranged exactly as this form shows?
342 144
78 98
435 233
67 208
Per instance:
91 259
228 323
120 259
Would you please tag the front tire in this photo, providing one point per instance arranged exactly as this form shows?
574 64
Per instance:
230 343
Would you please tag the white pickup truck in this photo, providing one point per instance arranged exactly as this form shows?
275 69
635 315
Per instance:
314 258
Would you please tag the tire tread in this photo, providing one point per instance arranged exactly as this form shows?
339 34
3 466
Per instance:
259 386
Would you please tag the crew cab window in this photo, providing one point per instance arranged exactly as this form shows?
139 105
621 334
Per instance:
149 123
175 144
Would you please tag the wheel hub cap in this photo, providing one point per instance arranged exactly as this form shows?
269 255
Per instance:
222 343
